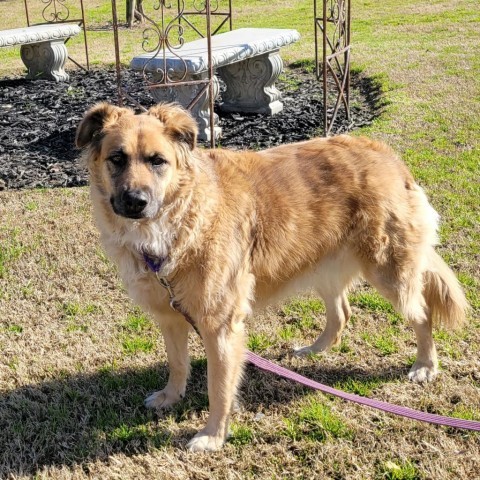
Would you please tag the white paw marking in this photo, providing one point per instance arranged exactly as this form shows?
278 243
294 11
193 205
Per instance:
202 442
162 399
302 351
421 373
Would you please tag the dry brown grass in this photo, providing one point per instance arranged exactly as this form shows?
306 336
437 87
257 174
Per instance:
71 397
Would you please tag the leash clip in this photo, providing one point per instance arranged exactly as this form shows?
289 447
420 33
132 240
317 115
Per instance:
166 285
174 305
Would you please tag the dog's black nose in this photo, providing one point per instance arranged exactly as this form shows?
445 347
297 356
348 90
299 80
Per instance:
134 201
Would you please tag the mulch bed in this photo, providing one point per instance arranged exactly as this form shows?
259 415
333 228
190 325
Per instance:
38 120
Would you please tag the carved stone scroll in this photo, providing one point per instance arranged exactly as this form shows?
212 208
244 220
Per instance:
251 85
45 60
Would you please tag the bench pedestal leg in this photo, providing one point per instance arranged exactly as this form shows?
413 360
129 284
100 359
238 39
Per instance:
45 60
251 85
184 94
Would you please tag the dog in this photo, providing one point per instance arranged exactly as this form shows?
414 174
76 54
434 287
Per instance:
229 230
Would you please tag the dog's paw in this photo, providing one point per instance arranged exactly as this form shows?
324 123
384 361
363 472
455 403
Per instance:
322 344
202 442
303 351
162 399
421 373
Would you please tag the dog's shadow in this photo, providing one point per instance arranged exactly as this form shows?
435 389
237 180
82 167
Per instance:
69 420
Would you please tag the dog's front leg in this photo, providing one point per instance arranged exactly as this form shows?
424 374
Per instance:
224 347
175 333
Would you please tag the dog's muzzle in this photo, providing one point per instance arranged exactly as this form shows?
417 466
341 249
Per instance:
131 203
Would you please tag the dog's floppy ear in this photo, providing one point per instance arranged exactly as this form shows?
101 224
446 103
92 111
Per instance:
95 120
179 124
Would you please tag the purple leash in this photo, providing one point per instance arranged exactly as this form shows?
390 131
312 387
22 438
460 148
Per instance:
386 407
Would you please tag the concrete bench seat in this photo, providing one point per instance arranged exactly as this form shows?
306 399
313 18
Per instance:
43 49
247 60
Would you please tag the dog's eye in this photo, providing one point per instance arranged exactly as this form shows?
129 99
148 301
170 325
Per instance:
118 158
156 160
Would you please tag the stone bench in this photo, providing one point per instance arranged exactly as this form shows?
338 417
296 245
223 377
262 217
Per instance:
247 60
43 49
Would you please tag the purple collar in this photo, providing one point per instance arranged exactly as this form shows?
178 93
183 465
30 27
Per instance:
154 263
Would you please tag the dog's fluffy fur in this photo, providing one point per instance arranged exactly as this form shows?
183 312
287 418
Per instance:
235 230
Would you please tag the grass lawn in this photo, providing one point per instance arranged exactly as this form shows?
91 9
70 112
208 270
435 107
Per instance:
78 358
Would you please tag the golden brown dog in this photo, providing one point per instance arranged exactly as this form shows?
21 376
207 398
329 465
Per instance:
232 229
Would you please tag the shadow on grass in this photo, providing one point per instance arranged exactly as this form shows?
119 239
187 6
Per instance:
80 418
277 390
69 420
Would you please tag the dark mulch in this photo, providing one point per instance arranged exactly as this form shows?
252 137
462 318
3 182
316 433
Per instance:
38 121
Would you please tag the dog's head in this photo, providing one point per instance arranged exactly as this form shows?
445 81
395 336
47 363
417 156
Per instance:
137 162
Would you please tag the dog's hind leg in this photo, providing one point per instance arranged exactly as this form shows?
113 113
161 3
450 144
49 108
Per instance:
332 279
338 313
425 367
446 305
403 287
175 333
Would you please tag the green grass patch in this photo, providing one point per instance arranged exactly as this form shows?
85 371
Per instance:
138 333
240 434
13 363
77 327
306 64
301 313
465 412
135 344
447 343
259 342
11 248
364 388
288 332
472 288
128 433
344 346
31 206
76 309
289 84
386 342
76 314
110 378
137 321
374 303
398 470
16 329
300 307
133 437
315 421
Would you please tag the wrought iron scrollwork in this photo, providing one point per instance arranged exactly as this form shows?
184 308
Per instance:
55 11
166 73
169 36
334 67
200 6
337 16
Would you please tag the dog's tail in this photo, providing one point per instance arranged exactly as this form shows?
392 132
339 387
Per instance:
442 292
